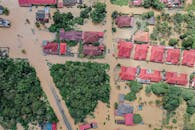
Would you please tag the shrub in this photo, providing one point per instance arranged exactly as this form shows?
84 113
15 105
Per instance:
137 118
174 121
113 30
115 14
173 42
6 11
131 96
148 89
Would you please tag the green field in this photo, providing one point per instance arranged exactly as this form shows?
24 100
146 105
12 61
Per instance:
120 2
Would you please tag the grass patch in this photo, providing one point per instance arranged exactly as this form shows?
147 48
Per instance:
120 2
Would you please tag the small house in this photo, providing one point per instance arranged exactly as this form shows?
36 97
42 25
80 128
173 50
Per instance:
157 54
69 2
88 126
123 109
28 3
43 15
127 73
141 37
92 37
79 1
70 35
1 9
124 21
124 49
141 51
188 58
90 50
172 56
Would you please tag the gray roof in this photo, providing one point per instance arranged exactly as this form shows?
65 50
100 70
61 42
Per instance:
124 109
40 14
151 20
121 97
1 7
70 2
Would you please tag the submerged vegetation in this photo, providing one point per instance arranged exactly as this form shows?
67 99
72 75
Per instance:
172 97
22 99
82 85
135 88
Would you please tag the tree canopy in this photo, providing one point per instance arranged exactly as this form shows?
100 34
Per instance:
82 85
137 118
135 88
99 12
22 99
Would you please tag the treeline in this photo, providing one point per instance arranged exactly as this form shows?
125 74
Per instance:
81 86
172 97
67 21
22 99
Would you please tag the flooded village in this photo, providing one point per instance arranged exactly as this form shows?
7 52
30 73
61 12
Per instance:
149 48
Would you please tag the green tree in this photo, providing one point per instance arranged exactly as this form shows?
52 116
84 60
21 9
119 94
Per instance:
173 42
137 118
99 13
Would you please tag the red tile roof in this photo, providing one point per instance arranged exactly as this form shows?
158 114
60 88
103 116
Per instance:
87 126
36 2
128 119
137 2
141 36
127 73
124 49
90 50
188 58
157 54
174 78
54 126
51 48
124 21
141 51
91 37
70 35
154 76
62 48
172 56
84 127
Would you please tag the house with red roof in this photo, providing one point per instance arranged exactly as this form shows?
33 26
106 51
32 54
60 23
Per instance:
63 48
54 126
173 56
124 49
51 48
90 50
55 48
141 37
153 76
27 3
141 51
70 35
175 78
188 58
157 54
124 21
128 119
92 37
127 73
88 126
136 2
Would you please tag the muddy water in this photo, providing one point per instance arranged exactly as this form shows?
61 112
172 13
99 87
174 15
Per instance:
28 37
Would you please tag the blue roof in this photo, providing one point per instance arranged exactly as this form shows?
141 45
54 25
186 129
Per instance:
48 126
